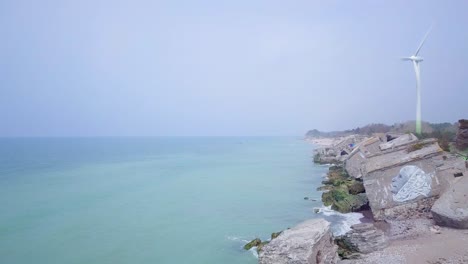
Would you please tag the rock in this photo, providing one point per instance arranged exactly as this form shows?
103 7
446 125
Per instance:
363 238
356 187
451 209
309 242
260 246
306 198
345 194
275 234
435 229
462 134
343 202
254 243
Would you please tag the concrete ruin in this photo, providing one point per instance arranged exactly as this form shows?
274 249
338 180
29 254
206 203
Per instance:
339 151
399 141
451 209
309 242
363 238
402 176
404 183
375 146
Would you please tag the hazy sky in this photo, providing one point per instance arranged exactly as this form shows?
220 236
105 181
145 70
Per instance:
244 67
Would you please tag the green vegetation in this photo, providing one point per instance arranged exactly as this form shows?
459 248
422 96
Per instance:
257 242
260 246
345 194
444 138
317 158
254 243
345 249
436 130
417 146
275 234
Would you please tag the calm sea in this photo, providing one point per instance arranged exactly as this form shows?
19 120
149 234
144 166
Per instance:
151 200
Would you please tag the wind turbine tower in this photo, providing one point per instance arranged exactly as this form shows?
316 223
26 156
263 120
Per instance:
416 60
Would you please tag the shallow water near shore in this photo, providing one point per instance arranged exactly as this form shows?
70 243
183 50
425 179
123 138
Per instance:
152 200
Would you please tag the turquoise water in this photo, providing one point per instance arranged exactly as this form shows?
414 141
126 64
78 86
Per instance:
150 200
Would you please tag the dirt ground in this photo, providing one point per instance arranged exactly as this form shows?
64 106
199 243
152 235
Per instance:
420 245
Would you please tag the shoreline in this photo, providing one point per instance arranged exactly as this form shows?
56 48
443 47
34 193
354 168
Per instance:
321 142
417 240
395 231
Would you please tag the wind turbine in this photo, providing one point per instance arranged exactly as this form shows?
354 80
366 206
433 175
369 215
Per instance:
416 60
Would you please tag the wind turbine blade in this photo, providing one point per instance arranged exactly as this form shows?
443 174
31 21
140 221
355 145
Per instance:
405 58
422 42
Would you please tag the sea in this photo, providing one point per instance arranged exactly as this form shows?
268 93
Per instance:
154 199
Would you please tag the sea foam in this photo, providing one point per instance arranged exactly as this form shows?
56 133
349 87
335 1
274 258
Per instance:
340 223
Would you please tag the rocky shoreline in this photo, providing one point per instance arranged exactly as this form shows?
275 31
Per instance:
416 193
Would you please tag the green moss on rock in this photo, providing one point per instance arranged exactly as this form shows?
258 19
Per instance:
254 243
260 246
356 187
345 249
275 234
345 194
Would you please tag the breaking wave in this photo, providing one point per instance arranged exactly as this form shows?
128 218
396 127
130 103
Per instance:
340 223
243 241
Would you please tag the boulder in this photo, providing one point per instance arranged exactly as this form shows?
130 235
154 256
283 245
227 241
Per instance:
462 134
343 193
362 238
309 242
342 201
254 243
451 209
275 234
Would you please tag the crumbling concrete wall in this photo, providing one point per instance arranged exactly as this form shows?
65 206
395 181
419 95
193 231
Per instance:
399 141
338 152
405 183
356 161
309 242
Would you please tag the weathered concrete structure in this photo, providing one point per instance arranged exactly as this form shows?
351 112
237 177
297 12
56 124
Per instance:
451 209
363 238
374 146
357 159
405 183
339 151
309 242
399 141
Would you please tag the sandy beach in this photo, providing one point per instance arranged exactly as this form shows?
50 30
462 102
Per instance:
322 142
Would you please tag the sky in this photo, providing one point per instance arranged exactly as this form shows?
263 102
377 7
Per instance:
226 68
